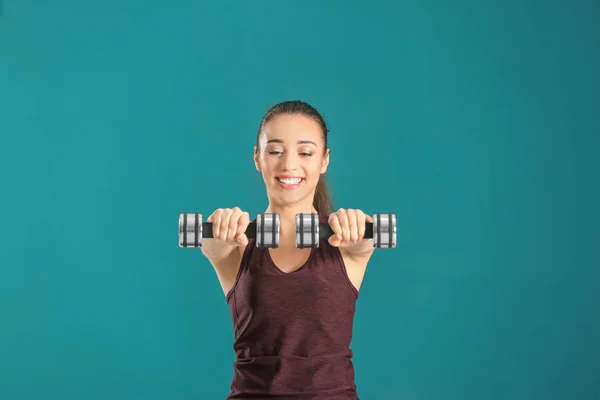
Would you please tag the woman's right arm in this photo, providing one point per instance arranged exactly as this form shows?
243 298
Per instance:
226 248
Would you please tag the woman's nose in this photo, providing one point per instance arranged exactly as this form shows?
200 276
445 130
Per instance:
289 162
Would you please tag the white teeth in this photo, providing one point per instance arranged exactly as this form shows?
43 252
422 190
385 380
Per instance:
292 181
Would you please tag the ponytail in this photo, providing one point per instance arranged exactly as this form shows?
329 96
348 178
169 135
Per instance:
322 201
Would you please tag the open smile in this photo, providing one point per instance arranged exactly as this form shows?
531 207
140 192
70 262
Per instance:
289 182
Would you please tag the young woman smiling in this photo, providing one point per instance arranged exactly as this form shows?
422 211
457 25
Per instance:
292 308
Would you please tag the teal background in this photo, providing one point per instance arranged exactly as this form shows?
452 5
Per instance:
476 122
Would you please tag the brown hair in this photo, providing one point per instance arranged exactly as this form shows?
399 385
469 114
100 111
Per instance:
322 200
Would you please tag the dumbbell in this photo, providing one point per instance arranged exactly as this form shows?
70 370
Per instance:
265 230
309 231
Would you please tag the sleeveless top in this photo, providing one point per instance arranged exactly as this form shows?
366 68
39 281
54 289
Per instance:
293 330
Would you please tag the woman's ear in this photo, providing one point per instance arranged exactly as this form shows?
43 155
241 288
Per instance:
325 163
256 159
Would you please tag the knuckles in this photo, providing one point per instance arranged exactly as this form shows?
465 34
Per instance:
349 223
227 222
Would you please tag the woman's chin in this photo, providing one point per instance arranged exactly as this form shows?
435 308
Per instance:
286 198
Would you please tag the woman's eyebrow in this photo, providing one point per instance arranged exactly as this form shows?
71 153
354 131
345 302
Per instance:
299 141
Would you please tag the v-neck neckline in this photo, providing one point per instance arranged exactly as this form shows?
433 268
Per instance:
297 270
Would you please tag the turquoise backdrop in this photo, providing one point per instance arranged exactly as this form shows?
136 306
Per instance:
476 122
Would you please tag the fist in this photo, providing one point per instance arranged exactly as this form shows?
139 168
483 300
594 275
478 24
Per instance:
229 225
348 227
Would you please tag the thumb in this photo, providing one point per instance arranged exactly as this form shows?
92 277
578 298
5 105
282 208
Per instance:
335 239
242 239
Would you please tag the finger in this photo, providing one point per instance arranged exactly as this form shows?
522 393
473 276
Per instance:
343 217
334 223
243 223
232 225
361 223
215 218
352 224
223 226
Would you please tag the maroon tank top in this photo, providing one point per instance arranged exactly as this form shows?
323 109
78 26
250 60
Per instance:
293 330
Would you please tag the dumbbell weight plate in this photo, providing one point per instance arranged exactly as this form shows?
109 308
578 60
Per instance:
191 230
309 231
265 230
384 231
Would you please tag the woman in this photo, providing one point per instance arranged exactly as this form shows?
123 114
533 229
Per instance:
292 308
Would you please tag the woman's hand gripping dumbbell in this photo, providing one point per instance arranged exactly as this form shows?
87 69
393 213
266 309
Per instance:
229 227
346 228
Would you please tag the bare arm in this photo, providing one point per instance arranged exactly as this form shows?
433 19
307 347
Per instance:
349 229
226 248
227 267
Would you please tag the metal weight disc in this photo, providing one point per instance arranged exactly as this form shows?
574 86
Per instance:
384 230
307 230
190 230
267 230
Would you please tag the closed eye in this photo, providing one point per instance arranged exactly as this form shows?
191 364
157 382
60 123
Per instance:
274 153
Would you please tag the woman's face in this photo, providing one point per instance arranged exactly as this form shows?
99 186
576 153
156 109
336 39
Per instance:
291 159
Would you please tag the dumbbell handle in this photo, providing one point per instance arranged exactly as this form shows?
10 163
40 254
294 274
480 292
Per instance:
207 230
325 231
193 230
382 229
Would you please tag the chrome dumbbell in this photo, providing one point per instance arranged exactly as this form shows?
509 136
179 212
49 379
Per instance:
192 230
309 231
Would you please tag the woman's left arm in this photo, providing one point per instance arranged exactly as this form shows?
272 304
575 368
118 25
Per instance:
348 228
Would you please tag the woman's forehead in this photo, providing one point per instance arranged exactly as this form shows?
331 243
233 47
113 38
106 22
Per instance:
292 128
